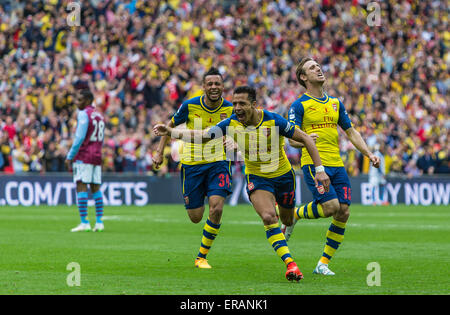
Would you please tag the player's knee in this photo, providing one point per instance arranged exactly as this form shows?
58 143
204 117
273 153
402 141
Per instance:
331 208
215 209
195 219
269 218
94 188
195 215
343 214
81 186
286 218
215 214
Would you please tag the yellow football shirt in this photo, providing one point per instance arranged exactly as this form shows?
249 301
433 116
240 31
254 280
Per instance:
261 145
321 116
198 116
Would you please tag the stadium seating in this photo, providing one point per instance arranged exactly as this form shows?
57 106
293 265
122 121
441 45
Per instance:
142 58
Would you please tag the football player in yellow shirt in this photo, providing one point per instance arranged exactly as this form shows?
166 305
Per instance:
317 113
259 135
204 169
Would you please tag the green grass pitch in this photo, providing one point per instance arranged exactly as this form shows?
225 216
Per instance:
151 250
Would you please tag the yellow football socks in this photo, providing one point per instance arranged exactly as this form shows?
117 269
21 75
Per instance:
309 211
278 242
335 236
210 231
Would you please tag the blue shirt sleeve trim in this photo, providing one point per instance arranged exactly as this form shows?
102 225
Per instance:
181 116
344 120
296 113
286 128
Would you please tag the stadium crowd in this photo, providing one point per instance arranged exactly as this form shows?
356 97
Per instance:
141 59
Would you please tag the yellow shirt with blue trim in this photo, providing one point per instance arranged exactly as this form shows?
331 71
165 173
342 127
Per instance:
262 145
198 116
321 116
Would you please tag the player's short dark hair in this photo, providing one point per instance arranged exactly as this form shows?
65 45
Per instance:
299 71
212 71
245 89
86 94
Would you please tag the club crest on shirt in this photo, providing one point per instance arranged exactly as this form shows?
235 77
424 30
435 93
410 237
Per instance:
223 116
266 132
335 107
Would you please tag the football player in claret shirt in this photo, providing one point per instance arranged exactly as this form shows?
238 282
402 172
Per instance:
259 135
85 158
204 169
320 114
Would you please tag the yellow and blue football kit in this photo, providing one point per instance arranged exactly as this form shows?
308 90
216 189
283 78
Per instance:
204 169
323 116
266 164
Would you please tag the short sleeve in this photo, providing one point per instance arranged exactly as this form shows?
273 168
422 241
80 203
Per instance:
286 128
181 116
220 129
344 120
296 112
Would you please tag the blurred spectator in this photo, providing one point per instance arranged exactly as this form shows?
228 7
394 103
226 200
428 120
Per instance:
427 161
412 170
143 58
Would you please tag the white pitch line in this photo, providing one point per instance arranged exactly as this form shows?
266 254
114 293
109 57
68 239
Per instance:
309 222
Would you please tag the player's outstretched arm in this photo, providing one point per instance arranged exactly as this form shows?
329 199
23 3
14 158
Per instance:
301 136
186 135
355 137
300 145
158 157
296 144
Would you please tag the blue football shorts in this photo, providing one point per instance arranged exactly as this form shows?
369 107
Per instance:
283 187
340 187
205 180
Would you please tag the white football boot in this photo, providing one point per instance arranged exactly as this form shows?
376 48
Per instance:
322 269
81 227
99 227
